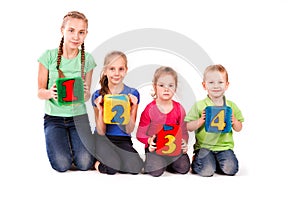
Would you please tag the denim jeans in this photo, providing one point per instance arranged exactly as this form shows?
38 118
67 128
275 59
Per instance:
206 162
63 143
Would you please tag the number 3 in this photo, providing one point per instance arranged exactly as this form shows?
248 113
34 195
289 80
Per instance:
170 144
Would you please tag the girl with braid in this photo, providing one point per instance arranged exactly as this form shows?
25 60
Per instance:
66 125
114 147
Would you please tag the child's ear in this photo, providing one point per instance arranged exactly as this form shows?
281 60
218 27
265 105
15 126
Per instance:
227 85
204 85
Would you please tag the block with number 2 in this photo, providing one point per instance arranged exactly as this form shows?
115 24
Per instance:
116 109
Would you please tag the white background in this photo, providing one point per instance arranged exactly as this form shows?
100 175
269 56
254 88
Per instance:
257 41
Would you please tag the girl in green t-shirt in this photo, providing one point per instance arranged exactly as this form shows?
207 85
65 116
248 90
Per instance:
65 125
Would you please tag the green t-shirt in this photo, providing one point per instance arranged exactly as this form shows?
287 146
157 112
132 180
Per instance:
71 68
212 141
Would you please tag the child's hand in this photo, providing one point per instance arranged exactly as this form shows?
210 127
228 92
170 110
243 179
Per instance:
86 90
53 92
203 116
233 119
184 146
99 103
236 124
133 99
152 143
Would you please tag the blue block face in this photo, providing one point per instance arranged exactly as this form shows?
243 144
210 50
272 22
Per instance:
218 119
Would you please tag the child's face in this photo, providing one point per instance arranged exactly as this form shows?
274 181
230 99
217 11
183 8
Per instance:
74 32
116 71
215 83
165 87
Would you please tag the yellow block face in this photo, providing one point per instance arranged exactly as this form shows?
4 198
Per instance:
116 109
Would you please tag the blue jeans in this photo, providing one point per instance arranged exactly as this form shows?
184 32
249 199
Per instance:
206 162
63 143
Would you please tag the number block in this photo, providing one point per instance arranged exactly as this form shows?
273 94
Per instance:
116 109
70 91
218 119
168 140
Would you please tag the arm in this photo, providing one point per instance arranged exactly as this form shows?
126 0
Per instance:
43 92
193 125
236 125
142 130
133 111
87 85
185 135
98 111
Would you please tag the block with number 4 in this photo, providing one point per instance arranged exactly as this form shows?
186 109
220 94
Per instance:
218 119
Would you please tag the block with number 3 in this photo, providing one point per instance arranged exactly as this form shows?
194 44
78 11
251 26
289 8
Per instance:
169 140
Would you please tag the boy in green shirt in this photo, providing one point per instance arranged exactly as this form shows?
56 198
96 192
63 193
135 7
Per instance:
213 152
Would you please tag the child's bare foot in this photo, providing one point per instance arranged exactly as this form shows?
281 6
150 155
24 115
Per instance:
97 163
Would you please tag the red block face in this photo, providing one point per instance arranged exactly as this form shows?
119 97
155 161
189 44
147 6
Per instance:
169 140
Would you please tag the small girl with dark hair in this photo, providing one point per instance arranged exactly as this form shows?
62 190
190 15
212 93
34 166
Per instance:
114 147
65 124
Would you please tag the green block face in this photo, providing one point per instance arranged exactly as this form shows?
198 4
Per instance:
70 90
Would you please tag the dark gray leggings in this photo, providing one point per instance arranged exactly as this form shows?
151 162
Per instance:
156 165
116 154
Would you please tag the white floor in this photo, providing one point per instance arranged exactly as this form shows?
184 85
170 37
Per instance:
26 174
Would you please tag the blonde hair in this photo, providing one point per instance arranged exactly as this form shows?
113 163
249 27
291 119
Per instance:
109 58
216 67
76 15
161 71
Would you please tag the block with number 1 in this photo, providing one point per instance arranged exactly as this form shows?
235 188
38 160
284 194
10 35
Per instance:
70 90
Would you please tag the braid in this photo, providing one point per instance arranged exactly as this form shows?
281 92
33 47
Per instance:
104 85
82 61
60 52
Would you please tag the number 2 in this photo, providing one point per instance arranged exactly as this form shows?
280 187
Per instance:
119 112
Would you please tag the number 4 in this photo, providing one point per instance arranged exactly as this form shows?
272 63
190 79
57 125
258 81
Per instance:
219 121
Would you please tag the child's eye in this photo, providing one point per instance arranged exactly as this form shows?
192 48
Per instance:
171 86
160 85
